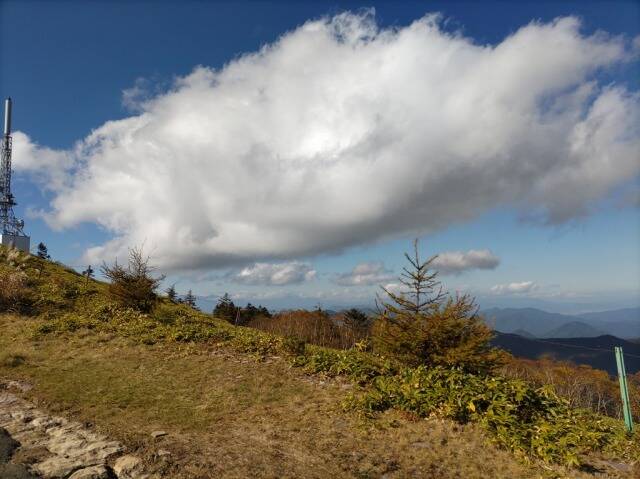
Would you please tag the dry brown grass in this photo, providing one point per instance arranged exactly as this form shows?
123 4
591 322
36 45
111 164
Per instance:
582 385
314 327
13 290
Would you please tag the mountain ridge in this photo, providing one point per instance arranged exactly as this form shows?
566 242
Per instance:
596 352
623 323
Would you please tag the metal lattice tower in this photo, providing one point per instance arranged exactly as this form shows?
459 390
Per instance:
11 228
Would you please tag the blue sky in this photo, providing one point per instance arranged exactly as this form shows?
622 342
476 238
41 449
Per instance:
67 65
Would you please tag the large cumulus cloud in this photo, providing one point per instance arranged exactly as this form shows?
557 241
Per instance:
341 133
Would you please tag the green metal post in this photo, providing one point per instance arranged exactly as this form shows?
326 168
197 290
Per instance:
624 390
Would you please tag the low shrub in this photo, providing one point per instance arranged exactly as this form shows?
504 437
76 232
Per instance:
133 286
313 327
294 346
534 422
581 385
359 366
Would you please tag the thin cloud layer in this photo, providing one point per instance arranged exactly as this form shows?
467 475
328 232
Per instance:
457 262
266 274
342 133
364 274
514 288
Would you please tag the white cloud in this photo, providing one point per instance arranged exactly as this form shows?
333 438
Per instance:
364 274
341 133
279 274
514 288
49 167
395 288
456 262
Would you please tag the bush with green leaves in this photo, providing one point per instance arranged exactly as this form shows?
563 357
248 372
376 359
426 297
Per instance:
534 422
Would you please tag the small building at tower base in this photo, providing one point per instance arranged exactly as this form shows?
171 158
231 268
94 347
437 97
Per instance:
22 243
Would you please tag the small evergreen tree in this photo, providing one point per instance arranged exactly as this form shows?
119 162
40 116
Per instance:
88 273
190 300
171 293
356 320
423 325
225 309
250 312
43 251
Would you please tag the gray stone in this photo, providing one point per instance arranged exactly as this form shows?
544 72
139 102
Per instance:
157 434
63 446
421 445
94 472
19 385
129 467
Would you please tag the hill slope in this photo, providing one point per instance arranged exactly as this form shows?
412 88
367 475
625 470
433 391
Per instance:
232 405
535 321
596 352
574 329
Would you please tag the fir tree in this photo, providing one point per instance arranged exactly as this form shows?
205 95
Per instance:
88 273
250 312
171 293
423 325
356 320
190 300
42 251
225 309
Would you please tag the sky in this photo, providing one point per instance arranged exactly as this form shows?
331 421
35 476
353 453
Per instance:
289 152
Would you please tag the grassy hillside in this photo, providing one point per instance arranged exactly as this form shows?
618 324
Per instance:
241 403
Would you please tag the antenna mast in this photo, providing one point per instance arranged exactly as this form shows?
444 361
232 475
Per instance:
11 228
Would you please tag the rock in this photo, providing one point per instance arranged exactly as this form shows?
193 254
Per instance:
616 466
57 466
421 445
157 434
94 472
129 467
163 453
7 445
74 447
58 447
19 385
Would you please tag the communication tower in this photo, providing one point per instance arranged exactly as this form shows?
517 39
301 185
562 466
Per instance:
11 228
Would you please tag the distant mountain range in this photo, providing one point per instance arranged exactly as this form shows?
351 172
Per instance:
531 322
595 352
